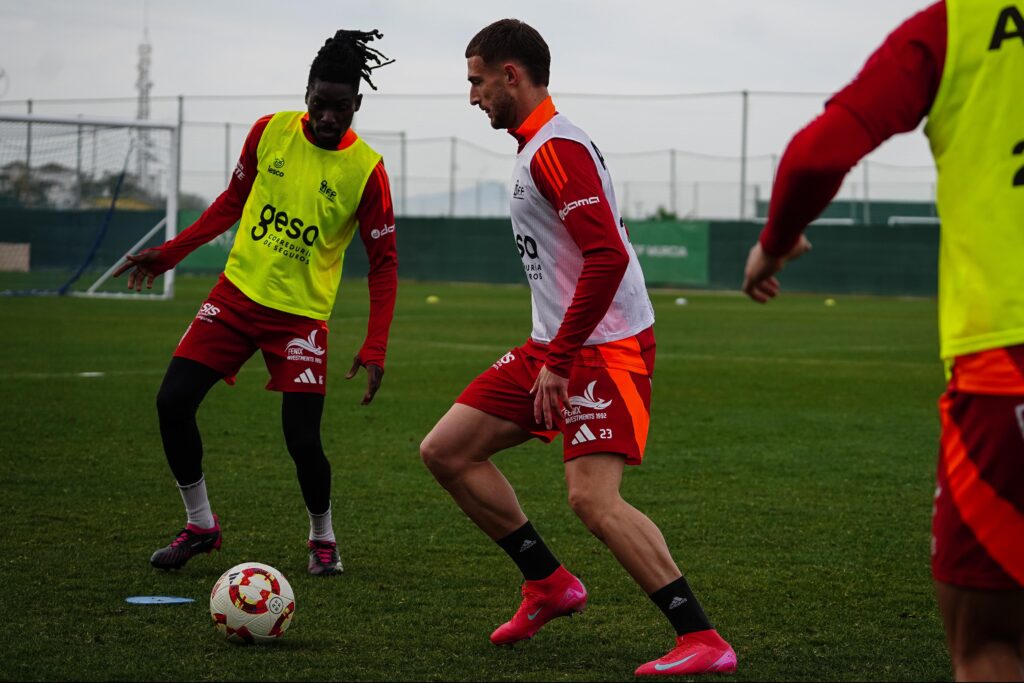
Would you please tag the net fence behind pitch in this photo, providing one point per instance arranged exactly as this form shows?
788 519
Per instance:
76 195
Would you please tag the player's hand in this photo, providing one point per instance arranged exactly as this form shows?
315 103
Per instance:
143 268
759 281
374 375
550 395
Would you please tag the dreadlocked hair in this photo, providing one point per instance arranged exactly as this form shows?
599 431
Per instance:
347 58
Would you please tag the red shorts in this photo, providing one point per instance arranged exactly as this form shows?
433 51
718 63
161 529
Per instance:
230 327
609 394
978 519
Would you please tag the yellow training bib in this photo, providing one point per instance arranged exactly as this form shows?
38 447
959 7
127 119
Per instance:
299 219
976 130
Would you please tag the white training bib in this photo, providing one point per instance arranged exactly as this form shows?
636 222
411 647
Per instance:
551 260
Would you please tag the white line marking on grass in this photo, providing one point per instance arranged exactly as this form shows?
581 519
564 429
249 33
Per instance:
156 372
66 375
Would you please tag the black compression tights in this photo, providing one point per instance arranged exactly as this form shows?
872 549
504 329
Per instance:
185 386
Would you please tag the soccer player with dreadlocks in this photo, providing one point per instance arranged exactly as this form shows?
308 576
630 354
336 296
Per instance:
304 186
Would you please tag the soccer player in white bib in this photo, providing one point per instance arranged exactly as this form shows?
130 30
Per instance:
585 371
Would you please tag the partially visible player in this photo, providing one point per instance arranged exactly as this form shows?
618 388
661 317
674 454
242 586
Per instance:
585 371
960 64
304 186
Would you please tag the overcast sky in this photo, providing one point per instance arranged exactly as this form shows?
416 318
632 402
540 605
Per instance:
88 48
83 48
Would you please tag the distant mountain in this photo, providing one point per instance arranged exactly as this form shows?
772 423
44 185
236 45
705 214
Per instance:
485 199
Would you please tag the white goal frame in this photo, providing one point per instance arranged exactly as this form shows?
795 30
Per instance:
169 223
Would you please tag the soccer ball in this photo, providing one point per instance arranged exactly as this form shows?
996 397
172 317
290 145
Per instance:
252 603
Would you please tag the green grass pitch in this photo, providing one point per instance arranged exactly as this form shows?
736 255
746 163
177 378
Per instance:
790 466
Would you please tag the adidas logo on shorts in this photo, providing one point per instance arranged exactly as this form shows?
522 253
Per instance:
307 377
583 435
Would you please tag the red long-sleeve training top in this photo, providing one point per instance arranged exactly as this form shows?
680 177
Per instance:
892 94
375 211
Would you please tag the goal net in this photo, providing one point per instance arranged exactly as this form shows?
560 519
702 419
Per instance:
76 195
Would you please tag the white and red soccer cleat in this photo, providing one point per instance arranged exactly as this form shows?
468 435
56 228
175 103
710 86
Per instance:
559 595
701 652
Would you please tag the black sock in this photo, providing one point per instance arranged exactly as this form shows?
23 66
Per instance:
680 607
527 550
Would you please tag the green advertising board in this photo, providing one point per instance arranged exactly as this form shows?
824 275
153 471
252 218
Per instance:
672 253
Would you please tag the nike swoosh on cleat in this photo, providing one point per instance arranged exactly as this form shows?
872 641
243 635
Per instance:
666 667
533 616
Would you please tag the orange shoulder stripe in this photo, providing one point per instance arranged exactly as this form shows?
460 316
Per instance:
554 157
549 155
546 169
385 186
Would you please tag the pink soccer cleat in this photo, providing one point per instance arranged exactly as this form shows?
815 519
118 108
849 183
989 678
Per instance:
189 542
701 652
559 595
324 559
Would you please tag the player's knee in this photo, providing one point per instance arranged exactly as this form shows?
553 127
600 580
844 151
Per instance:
431 454
172 402
590 508
438 459
304 447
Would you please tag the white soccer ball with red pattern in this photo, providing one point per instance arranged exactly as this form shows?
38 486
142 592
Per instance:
252 603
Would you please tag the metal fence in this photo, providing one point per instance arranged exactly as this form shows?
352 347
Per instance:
693 155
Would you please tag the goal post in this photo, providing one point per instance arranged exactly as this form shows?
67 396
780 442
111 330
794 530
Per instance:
79 193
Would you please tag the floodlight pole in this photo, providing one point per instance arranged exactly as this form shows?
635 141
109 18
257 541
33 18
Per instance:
743 155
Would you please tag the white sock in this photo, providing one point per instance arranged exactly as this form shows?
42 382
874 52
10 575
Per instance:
320 527
197 504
